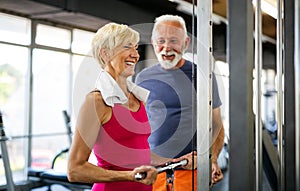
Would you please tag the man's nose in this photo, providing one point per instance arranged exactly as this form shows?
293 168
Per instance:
167 46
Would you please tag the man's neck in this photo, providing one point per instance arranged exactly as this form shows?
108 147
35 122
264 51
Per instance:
180 63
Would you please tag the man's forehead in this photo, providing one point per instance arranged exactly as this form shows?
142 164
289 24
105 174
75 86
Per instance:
171 25
169 29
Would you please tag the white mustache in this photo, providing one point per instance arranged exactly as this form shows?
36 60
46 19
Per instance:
167 53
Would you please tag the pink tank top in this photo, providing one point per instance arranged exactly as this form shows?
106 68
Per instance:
122 144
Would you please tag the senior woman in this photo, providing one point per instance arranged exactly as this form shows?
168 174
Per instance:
112 122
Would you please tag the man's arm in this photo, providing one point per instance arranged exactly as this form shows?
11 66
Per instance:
217 144
217 134
157 160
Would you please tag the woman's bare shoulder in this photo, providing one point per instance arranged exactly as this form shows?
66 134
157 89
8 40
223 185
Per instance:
94 96
95 100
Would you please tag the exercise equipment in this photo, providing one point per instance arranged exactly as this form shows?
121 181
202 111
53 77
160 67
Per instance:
168 166
5 158
51 177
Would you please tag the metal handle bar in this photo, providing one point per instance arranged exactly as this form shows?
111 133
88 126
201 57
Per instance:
160 169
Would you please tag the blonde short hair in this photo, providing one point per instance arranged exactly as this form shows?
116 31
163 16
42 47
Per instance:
111 36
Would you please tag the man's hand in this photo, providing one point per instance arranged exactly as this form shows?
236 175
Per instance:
189 157
216 173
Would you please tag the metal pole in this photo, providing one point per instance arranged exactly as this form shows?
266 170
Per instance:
5 158
258 70
241 62
29 93
297 92
279 66
204 73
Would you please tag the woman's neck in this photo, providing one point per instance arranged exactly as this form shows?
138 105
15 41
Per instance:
122 82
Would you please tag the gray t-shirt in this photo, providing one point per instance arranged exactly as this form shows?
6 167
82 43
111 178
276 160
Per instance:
169 108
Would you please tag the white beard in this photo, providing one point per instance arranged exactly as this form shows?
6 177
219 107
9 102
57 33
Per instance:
168 64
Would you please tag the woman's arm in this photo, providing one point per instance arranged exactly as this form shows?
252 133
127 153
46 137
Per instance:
80 170
92 114
88 123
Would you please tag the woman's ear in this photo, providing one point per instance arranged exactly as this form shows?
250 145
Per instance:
104 54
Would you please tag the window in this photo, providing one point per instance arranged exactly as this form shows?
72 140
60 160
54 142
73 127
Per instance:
82 42
50 91
13 75
86 71
37 71
14 29
53 36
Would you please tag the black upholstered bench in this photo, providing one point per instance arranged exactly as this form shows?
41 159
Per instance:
50 177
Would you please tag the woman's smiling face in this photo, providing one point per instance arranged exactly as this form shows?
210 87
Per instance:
124 58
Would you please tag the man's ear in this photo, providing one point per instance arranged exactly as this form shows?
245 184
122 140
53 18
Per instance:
152 42
187 42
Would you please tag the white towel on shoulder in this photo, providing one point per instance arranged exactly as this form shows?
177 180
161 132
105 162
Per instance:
112 93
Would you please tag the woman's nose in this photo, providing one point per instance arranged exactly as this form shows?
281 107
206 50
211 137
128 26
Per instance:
135 54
